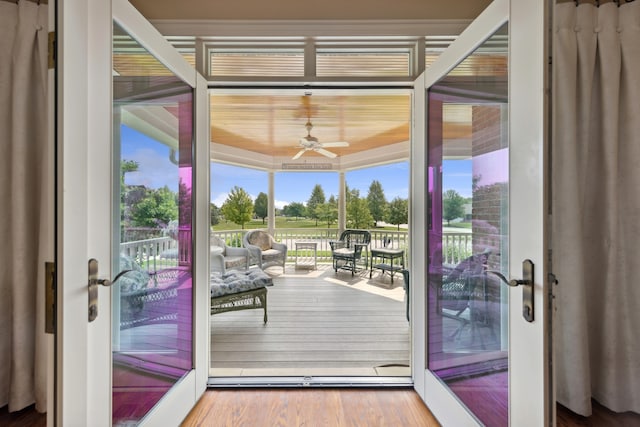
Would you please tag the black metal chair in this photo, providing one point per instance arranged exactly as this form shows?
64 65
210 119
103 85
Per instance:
347 251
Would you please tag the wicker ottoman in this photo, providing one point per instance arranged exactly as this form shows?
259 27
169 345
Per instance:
239 290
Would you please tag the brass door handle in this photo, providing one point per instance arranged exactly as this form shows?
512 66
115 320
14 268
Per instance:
93 287
527 287
513 282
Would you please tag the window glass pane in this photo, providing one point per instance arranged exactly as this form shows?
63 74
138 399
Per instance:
468 184
152 301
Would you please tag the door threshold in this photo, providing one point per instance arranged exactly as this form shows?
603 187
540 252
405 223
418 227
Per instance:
309 381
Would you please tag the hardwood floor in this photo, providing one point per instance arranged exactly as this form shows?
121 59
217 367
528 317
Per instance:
602 417
28 417
310 407
298 407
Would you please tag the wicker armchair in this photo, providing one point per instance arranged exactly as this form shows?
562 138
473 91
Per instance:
264 250
225 257
347 251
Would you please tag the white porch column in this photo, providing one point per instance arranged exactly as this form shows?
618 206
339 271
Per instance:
271 219
342 203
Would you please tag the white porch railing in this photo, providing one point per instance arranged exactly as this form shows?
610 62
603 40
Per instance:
456 247
152 254
162 252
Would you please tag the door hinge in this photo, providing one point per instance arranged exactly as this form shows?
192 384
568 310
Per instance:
50 297
52 49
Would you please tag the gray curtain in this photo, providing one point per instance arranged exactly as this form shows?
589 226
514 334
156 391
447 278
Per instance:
596 204
25 203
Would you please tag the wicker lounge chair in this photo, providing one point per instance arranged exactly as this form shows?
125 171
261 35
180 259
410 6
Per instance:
238 290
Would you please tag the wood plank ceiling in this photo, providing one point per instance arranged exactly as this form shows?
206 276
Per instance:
273 124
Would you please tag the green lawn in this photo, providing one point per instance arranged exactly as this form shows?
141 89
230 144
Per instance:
283 222
458 224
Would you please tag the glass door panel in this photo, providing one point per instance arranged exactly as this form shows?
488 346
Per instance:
151 232
468 230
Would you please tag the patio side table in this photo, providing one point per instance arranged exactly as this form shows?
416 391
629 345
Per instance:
386 258
307 255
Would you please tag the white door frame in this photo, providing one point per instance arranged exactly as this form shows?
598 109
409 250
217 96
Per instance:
531 399
83 389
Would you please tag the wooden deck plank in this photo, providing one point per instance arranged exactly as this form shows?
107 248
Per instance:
321 319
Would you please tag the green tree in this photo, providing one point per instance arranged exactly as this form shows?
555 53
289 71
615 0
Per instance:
157 208
317 198
125 167
333 201
350 194
238 207
377 202
184 203
125 209
261 206
398 212
452 205
358 215
215 214
294 209
328 212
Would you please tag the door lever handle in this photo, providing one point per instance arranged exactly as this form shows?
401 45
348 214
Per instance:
513 282
93 287
527 287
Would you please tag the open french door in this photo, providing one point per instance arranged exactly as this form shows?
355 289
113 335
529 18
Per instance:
480 337
128 101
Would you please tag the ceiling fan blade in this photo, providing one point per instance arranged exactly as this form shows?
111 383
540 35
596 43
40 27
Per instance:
326 152
335 144
299 153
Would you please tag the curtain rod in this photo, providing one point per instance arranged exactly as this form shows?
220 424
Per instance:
32 1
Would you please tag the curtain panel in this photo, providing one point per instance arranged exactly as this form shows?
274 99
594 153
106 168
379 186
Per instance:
26 194
596 204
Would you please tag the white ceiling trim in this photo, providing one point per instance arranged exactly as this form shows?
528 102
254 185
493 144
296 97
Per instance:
310 28
154 121
393 153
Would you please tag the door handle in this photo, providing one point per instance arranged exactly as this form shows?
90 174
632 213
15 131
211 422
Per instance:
93 287
527 287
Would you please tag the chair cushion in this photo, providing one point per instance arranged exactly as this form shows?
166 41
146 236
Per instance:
271 254
260 239
346 252
234 282
133 280
235 261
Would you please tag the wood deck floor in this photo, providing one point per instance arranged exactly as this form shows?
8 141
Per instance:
320 323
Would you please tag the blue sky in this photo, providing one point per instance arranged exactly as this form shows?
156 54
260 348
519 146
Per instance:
155 171
456 175
297 186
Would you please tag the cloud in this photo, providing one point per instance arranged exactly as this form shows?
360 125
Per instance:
219 199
